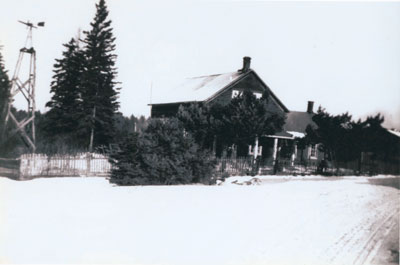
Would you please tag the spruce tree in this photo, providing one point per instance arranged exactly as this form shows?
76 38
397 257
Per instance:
62 120
5 86
163 154
198 120
247 118
4 89
99 96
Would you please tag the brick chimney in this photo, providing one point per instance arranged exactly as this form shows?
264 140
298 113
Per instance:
310 107
246 64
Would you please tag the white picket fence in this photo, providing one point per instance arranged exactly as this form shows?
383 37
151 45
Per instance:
82 164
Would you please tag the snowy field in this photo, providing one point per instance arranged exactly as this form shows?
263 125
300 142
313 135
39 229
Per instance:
285 220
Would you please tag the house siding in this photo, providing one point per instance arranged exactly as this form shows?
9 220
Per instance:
249 82
165 110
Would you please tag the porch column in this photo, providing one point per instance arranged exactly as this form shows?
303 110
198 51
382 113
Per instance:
234 151
274 153
255 149
294 154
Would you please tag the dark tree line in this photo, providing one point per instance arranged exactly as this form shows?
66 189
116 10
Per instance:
4 90
343 139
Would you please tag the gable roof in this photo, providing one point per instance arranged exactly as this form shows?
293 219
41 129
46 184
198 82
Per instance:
198 88
206 88
297 121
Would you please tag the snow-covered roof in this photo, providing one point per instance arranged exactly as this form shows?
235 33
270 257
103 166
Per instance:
297 134
397 133
197 88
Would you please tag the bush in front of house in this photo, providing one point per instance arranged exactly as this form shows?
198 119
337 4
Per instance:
164 154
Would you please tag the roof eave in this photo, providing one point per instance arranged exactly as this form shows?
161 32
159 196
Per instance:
172 103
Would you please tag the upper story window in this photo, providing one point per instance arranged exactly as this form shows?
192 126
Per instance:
258 95
236 93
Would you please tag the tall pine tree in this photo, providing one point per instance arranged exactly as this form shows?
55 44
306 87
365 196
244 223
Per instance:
5 86
62 120
99 96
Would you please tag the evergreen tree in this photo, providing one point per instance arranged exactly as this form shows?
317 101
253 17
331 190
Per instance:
345 140
126 168
5 86
248 118
140 123
99 96
163 154
373 138
241 122
124 125
334 133
62 120
198 120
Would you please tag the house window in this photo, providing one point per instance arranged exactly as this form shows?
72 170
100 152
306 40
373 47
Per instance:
251 150
313 151
235 93
258 95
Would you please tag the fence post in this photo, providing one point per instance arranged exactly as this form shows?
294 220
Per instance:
88 163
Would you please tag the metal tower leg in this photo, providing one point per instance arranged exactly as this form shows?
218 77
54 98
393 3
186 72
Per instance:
25 127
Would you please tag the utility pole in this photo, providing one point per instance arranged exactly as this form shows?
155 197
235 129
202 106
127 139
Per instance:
26 126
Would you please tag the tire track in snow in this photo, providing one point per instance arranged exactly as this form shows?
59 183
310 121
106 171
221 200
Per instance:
373 244
359 244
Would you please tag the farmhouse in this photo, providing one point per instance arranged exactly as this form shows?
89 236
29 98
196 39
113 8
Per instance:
221 88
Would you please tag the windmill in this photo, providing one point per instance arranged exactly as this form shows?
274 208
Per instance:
26 86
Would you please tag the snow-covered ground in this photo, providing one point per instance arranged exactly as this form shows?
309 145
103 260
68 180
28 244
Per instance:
277 220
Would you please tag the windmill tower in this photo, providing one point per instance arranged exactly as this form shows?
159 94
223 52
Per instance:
24 83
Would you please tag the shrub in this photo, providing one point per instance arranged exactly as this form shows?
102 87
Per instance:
125 162
164 154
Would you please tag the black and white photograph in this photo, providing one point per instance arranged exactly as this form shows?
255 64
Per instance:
218 132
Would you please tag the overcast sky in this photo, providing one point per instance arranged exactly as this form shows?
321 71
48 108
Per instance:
344 56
